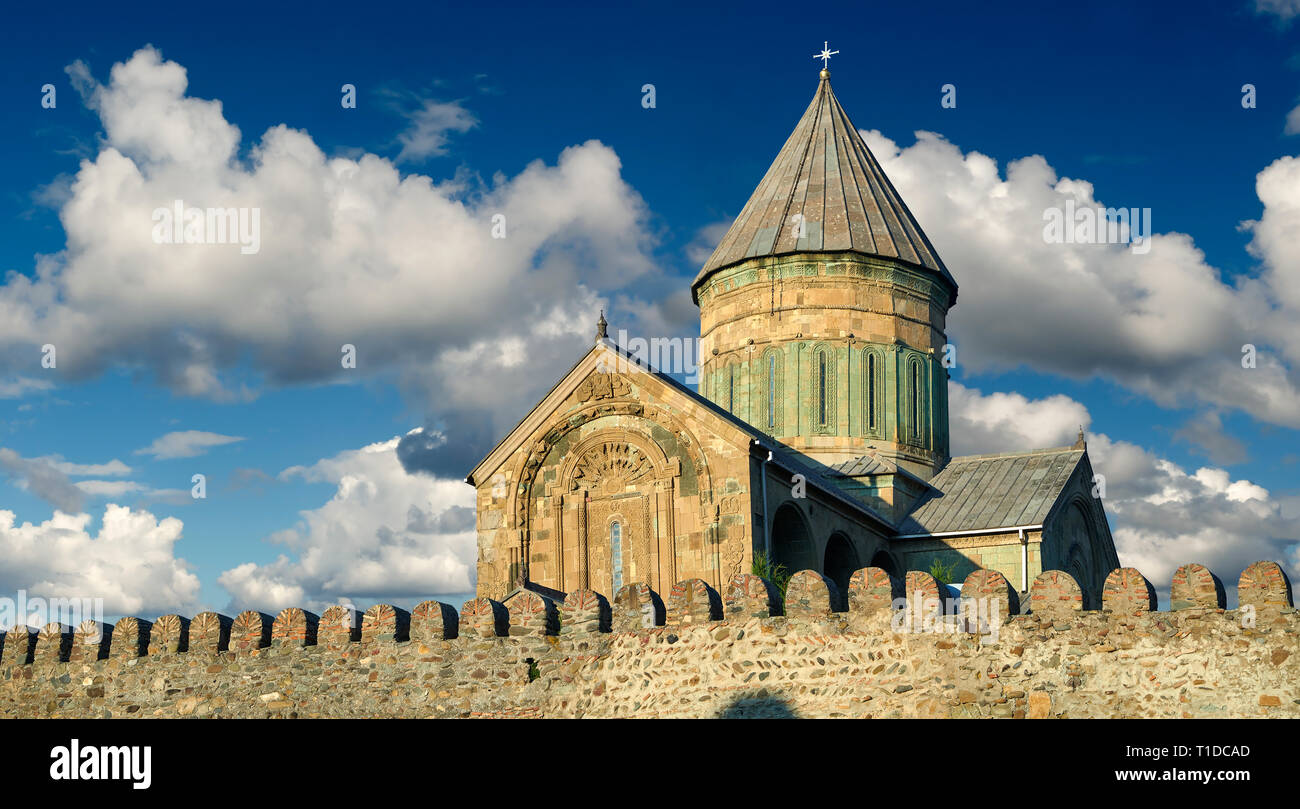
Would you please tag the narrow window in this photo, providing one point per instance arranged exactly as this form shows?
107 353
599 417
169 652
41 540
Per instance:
915 404
731 388
871 392
771 393
616 553
821 389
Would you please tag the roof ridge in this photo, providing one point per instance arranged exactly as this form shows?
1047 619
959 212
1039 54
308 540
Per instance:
1013 454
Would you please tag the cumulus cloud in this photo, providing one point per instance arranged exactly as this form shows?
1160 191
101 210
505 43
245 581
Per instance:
999 422
385 534
352 252
1162 323
186 444
130 562
1164 515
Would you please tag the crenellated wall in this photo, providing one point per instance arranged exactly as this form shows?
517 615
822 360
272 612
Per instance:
745 652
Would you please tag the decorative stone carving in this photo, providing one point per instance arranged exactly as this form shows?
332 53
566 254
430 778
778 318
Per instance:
611 467
603 386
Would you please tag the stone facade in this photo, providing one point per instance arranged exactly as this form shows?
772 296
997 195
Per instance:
617 477
833 355
708 656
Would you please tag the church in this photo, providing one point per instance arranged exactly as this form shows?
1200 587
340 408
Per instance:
819 436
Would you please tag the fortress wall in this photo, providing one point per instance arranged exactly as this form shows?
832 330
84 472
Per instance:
673 657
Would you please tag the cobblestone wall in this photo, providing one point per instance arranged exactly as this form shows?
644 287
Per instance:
545 659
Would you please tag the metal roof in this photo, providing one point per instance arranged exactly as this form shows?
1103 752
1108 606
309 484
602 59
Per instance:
865 465
980 492
828 175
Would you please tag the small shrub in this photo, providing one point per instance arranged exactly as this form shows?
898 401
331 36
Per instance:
765 568
942 573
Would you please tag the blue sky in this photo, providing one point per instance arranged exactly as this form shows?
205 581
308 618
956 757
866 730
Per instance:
1144 104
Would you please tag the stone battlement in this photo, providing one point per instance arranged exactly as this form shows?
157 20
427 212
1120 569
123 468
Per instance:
745 652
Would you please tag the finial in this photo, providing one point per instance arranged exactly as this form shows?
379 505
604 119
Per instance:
602 327
1080 443
825 56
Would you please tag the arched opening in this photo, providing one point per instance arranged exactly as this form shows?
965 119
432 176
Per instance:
885 562
840 561
792 544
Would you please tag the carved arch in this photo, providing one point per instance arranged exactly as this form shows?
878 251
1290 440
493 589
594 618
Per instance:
519 513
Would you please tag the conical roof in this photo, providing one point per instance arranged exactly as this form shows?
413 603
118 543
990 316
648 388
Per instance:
828 175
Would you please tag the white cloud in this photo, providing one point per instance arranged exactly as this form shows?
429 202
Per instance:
41 477
1163 323
999 422
186 444
352 252
706 240
18 387
430 126
384 534
1205 431
109 488
129 562
1293 121
1164 516
112 468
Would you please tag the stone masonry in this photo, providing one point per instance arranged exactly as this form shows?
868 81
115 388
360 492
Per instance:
705 655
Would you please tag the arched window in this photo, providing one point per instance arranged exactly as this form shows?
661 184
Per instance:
731 388
770 401
616 553
771 392
872 392
914 399
823 390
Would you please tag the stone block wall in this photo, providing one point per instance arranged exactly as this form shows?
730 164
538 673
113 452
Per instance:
698 653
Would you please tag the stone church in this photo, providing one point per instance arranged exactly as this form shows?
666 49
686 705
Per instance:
819 435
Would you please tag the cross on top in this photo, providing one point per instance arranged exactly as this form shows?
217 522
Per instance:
825 55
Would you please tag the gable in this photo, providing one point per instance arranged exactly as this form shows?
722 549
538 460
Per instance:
981 492
608 374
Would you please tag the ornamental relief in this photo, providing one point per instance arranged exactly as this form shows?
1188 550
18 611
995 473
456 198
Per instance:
603 386
519 516
611 468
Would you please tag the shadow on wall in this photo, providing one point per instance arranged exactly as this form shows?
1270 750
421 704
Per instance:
760 705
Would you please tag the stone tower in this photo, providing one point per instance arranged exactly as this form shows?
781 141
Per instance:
823 308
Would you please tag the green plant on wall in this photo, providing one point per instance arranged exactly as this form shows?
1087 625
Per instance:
942 573
774 572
